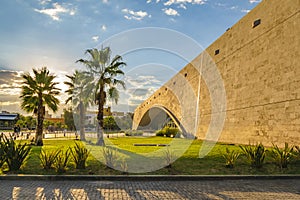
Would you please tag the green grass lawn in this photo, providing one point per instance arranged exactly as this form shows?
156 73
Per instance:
188 164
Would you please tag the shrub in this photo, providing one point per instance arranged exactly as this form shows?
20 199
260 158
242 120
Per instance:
255 154
110 157
80 155
133 133
2 156
124 166
15 154
48 158
282 156
230 157
297 151
62 161
168 132
2 153
160 133
169 157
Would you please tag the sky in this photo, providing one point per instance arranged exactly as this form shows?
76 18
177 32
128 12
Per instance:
156 38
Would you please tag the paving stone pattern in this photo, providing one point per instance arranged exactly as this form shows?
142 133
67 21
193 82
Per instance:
206 189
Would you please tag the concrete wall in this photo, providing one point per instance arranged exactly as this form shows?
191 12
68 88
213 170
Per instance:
260 68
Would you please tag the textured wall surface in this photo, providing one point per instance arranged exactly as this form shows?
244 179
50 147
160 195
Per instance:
260 69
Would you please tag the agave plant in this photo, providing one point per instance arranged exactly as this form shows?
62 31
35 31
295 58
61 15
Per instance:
80 155
255 154
124 166
48 158
297 151
15 154
230 157
282 156
169 157
62 161
110 157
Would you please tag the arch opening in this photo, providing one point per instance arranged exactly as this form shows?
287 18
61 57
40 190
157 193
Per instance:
158 117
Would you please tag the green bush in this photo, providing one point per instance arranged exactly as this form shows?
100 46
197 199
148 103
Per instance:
255 154
110 157
160 133
2 153
282 156
169 157
168 132
48 158
230 157
297 151
133 133
62 161
14 154
80 155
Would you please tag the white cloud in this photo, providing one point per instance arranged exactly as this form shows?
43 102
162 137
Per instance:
72 12
55 11
95 38
182 6
103 27
149 1
105 1
254 1
136 15
140 88
43 2
170 12
245 11
170 2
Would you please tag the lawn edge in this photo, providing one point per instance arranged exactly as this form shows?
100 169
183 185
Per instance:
145 177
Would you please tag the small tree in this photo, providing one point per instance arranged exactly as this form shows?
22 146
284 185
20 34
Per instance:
110 123
107 74
38 92
80 91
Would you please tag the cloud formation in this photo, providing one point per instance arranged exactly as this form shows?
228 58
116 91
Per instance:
254 1
55 11
170 2
10 82
135 15
43 2
95 38
170 12
140 88
103 27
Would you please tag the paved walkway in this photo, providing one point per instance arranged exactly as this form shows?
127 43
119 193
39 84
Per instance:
205 189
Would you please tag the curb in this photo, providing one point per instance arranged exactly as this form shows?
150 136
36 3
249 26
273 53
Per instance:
145 177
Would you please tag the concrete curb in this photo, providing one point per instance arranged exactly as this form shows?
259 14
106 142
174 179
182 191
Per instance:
145 177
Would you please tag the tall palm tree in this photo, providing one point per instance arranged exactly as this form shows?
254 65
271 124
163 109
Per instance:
79 92
39 91
107 75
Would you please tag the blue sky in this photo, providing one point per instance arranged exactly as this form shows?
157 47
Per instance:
36 33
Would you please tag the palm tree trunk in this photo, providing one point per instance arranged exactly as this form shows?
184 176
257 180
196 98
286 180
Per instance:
40 121
81 121
101 101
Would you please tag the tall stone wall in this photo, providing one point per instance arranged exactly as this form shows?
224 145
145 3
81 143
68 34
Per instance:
260 69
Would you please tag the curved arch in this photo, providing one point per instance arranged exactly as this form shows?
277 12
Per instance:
169 113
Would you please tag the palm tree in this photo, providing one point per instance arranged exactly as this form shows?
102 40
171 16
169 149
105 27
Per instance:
79 92
107 77
39 91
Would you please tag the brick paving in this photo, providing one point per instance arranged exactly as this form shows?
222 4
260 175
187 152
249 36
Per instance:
203 189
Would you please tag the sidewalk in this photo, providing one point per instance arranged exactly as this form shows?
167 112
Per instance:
218 188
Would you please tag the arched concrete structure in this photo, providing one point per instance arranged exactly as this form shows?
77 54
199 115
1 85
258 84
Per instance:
259 62
168 113
164 99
